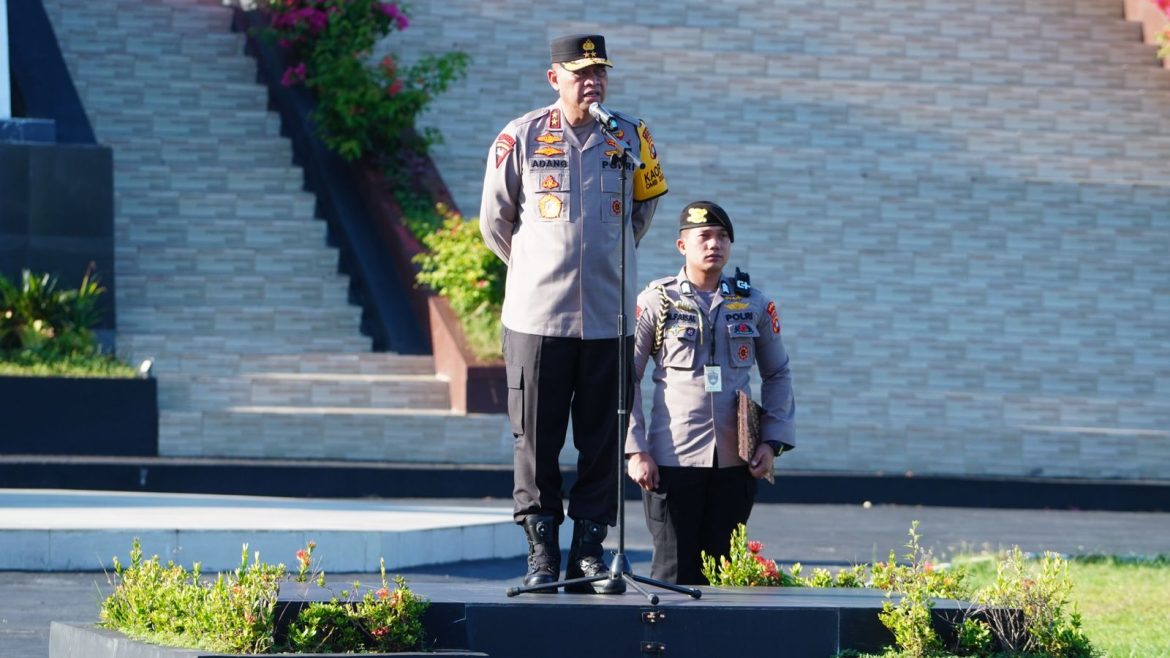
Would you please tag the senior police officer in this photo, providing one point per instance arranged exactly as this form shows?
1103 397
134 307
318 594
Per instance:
703 331
553 210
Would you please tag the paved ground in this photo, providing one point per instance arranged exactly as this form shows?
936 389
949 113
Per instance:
812 534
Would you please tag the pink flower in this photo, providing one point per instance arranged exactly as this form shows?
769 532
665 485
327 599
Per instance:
382 593
755 546
394 88
293 75
388 65
395 14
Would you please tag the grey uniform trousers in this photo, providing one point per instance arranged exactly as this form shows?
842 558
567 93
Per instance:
551 379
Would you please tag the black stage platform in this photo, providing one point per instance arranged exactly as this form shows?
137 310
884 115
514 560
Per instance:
348 479
762 622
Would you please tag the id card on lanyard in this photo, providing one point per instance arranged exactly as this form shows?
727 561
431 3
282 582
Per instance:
712 372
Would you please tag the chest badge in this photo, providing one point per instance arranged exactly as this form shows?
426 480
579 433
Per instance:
549 151
550 207
550 182
549 138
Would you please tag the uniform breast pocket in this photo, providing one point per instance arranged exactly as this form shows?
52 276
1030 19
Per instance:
742 341
678 345
611 196
550 190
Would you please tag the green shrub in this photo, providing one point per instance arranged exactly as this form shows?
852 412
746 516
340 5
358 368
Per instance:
1024 613
1041 593
235 613
461 268
167 604
47 330
361 108
383 620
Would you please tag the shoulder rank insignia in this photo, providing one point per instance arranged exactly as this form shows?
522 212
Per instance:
504 145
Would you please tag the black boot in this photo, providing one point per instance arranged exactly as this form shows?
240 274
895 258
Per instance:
586 559
544 551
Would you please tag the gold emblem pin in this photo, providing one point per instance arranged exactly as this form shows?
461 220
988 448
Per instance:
588 47
696 215
550 207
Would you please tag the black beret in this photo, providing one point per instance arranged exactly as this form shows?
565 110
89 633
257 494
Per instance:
577 51
705 213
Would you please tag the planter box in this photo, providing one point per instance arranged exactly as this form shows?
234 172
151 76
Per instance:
476 386
80 641
79 416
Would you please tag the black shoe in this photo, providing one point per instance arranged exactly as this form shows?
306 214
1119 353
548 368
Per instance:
586 560
544 551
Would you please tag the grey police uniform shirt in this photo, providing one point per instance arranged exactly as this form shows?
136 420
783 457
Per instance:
552 210
686 421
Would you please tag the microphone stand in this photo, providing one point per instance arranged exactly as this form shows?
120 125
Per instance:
619 568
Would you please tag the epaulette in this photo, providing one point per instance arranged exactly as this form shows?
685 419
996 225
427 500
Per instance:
628 118
659 282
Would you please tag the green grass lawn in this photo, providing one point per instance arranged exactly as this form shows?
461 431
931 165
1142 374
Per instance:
1124 605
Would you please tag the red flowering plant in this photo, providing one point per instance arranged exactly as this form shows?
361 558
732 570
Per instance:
745 566
385 620
363 108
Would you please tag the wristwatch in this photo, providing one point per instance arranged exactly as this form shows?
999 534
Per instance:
777 447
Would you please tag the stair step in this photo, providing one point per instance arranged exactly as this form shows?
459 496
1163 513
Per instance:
360 364
226 292
240 233
209 354
394 435
168 259
365 393
156 209
292 319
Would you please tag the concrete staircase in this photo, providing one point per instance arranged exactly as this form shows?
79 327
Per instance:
224 276
964 213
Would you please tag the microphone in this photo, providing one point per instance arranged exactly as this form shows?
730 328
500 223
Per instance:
603 116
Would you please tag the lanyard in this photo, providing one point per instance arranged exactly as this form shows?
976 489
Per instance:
688 289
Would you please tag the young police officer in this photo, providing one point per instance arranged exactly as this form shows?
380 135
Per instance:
703 331
552 210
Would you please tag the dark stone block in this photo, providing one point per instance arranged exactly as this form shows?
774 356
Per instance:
79 416
57 215
71 191
14 189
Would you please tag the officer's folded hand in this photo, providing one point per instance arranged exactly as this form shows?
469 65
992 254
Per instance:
641 468
761 461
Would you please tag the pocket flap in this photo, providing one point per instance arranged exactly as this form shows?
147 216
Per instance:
515 376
